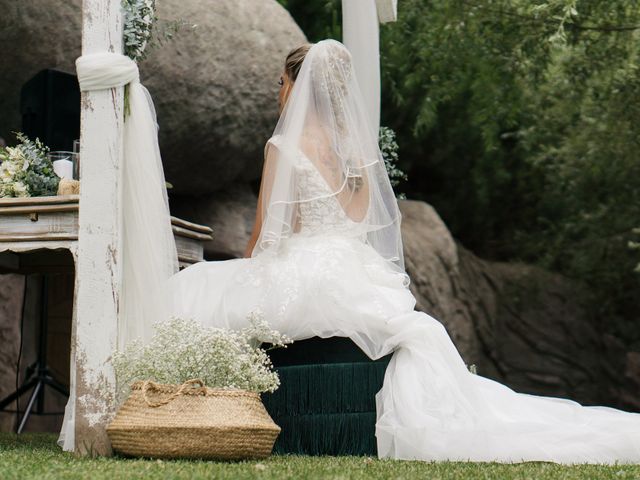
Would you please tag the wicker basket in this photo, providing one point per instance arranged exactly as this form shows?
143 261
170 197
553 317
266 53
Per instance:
192 421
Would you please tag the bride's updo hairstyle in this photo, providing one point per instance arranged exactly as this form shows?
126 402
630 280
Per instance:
294 61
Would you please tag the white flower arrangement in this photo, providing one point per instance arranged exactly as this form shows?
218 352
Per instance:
389 150
26 171
183 349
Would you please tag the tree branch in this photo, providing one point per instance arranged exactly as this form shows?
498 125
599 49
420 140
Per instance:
572 25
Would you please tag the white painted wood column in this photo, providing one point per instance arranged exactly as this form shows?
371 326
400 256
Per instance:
360 34
99 267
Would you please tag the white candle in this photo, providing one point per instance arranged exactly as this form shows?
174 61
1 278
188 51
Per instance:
63 168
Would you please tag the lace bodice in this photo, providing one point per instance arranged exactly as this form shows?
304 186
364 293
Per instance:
318 211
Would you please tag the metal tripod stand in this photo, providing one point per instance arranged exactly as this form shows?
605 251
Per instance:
38 374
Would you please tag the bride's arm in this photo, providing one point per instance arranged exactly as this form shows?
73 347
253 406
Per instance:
265 186
257 226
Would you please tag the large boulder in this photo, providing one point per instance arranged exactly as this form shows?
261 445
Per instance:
214 86
521 325
34 34
230 213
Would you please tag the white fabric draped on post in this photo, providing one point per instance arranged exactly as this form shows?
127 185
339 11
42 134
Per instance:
148 248
360 35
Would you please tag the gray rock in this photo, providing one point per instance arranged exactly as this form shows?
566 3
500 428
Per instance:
214 86
523 326
230 213
34 35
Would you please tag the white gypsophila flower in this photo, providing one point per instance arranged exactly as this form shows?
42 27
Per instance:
182 349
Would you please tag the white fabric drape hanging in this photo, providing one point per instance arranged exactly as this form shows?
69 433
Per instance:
149 249
387 10
149 252
361 36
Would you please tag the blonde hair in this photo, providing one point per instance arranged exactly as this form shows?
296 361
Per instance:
294 60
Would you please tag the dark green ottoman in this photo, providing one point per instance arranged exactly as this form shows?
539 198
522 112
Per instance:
326 400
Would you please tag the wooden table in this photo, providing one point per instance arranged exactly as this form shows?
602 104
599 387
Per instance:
38 233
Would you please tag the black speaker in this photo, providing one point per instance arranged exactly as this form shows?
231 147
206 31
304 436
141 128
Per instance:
50 107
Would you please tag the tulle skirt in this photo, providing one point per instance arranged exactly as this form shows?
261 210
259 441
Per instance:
430 406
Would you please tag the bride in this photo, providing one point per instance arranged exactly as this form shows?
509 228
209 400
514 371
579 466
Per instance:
326 260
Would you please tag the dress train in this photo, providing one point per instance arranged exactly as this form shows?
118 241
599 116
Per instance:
430 407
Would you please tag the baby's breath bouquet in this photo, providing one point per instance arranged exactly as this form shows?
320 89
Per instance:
183 349
26 171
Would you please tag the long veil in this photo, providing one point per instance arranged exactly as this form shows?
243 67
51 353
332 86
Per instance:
325 120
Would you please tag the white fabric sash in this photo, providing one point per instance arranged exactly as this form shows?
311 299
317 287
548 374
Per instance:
149 249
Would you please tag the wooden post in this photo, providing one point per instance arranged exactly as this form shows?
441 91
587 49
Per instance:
99 268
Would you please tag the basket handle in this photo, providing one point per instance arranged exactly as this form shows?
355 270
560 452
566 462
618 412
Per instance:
151 385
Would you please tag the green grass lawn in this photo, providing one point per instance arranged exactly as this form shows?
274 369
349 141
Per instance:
37 456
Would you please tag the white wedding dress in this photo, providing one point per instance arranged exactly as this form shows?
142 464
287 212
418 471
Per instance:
328 262
324 282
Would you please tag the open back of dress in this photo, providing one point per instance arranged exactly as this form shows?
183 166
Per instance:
324 160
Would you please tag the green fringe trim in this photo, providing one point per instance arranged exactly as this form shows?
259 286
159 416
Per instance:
326 401
327 434
328 388
317 350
